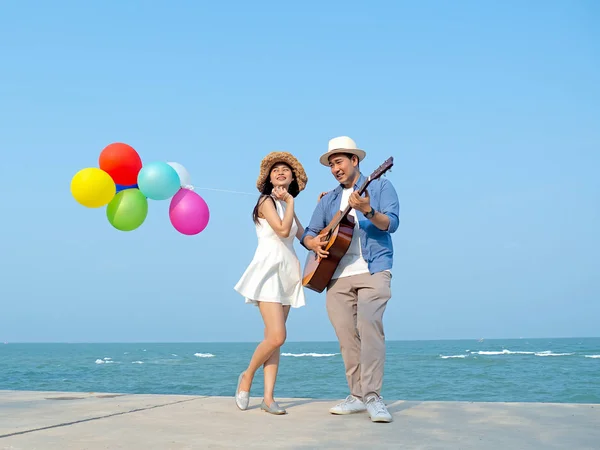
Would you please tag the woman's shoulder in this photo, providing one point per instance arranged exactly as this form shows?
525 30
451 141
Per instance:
266 202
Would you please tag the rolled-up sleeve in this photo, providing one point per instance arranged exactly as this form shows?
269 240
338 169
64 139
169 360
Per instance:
389 204
317 223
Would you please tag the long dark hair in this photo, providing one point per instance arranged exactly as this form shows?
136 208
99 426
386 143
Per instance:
293 190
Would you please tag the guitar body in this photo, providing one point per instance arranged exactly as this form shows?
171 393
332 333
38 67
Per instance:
318 272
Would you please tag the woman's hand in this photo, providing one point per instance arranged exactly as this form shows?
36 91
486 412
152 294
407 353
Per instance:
281 193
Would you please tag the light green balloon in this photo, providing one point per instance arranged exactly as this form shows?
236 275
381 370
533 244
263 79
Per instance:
127 210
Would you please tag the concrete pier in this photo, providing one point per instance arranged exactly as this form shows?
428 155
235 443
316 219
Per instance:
32 420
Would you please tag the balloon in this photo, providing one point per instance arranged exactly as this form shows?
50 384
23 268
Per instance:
120 187
92 187
121 162
188 212
158 181
128 210
184 175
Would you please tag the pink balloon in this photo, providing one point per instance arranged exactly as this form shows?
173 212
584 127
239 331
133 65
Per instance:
188 212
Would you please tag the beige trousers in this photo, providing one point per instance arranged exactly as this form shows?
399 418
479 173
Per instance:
355 306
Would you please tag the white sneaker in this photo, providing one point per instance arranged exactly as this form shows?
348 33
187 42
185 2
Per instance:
377 409
349 406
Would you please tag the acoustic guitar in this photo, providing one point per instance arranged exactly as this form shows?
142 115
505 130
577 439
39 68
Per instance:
338 234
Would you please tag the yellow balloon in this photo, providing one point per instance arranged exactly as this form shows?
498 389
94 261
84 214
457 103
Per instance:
93 187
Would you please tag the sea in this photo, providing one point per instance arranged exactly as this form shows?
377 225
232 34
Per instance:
478 370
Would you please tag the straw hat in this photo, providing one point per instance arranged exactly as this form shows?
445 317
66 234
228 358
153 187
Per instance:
281 157
341 144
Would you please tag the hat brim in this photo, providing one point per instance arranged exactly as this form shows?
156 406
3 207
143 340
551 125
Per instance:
281 157
324 159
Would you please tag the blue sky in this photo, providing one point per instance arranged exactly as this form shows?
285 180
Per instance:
490 109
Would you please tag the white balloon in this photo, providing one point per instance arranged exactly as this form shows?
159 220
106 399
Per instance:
184 176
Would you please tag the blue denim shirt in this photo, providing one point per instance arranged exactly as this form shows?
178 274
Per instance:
376 244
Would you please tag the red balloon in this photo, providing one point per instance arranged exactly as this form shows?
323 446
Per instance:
121 162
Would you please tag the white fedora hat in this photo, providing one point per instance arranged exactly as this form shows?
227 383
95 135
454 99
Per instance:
341 144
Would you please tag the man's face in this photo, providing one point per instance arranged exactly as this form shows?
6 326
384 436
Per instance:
343 168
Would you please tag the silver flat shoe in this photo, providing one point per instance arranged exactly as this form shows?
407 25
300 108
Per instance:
274 408
242 398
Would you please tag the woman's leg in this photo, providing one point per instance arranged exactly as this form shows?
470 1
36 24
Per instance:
275 334
271 367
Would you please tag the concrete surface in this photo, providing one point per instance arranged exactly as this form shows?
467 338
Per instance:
61 420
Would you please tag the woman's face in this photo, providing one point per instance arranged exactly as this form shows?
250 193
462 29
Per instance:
281 175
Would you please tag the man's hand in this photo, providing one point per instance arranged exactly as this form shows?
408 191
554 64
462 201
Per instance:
317 244
362 204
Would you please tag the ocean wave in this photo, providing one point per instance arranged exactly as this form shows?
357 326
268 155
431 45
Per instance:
503 352
204 355
509 352
549 353
593 356
314 355
137 362
104 361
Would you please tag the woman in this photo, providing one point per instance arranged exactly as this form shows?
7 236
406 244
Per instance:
273 280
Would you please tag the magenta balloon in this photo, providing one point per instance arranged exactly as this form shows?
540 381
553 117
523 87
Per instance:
188 212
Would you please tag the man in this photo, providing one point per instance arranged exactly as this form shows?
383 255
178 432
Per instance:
360 287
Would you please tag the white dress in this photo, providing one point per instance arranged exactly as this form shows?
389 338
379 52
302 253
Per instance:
274 274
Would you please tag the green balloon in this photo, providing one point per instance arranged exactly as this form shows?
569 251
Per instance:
127 210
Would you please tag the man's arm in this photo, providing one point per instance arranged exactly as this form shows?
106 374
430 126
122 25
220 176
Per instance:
317 223
387 218
390 208
381 221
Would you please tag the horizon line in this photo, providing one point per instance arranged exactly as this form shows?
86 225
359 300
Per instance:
295 342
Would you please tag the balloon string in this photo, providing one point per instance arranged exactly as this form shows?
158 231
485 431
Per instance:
225 190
